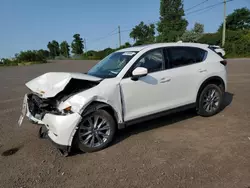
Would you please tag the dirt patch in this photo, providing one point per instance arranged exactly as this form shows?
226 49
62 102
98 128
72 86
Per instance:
10 152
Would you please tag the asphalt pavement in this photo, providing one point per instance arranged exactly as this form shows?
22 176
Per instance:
180 150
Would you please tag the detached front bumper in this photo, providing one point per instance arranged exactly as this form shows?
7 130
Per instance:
60 128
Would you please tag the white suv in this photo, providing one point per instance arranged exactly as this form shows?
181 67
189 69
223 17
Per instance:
128 86
218 50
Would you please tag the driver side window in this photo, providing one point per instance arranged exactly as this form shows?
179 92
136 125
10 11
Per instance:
152 60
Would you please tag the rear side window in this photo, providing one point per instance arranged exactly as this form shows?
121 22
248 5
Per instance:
182 56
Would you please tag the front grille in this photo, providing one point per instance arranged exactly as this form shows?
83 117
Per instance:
33 107
38 107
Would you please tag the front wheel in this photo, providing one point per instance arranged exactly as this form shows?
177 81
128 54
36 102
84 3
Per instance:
210 100
95 131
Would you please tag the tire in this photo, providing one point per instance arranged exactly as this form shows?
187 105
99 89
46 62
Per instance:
210 103
90 138
43 132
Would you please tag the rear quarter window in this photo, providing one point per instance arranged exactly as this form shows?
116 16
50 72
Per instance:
182 56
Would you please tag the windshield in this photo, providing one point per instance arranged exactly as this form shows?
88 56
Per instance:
111 65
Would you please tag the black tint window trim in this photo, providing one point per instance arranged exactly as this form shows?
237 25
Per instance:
129 72
169 56
167 59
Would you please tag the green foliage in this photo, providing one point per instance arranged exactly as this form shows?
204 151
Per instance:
9 62
210 38
54 49
64 49
171 28
215 38
32 56
172 25
194 34
77 45
97 55
198 28
126 45
240 47
43 53
27 57
238 20
143 33
237 42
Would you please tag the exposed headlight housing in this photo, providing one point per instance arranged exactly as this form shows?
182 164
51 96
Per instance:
67 110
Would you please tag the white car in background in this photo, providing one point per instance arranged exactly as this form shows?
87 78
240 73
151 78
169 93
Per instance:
218 50
128 86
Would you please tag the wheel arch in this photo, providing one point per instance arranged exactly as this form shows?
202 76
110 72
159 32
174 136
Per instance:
96 105
211 80
91 107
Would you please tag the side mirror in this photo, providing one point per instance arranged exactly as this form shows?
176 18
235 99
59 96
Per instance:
139 72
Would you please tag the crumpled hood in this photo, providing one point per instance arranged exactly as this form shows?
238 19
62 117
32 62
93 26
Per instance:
50 84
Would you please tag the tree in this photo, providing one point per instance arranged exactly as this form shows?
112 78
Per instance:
51 50
238 20
64 49
194 34
77 45
54 49
32 56
198 28
127 45
43 53
172 25
143 33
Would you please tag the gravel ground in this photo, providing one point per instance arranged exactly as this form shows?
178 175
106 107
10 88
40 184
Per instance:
181 150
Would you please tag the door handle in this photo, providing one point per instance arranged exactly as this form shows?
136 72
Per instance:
202 70
164 80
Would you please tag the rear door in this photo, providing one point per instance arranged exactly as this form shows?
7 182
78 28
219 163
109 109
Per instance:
186 69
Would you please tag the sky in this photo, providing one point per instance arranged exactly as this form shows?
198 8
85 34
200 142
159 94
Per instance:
31 24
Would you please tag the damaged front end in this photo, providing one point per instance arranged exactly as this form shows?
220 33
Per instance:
39 106
42 105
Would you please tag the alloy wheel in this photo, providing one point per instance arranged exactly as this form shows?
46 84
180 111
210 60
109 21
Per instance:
211 100
94 131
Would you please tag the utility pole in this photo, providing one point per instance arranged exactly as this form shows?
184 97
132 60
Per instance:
85 45
119 31
224 25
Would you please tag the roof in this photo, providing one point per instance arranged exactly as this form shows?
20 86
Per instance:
158 45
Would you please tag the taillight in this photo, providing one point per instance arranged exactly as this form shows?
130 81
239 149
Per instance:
224 62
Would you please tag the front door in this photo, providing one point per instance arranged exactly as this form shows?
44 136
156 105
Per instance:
147 95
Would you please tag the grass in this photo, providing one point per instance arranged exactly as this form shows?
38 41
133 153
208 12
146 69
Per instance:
21 64
237 56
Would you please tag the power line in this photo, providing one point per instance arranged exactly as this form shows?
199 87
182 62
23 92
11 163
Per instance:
205 9
113 31
126 30
211 6
196 5
106 36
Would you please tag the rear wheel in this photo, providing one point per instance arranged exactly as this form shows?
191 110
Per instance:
210 100
96 131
